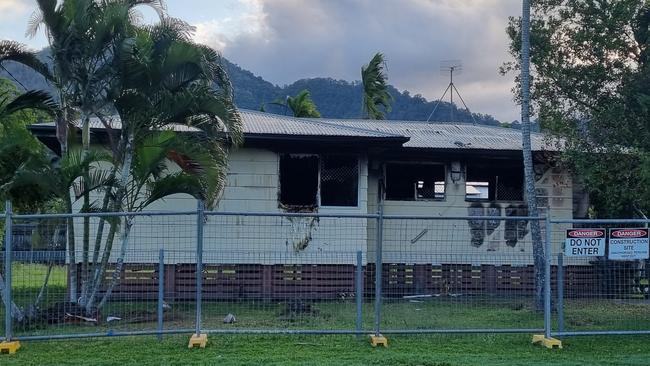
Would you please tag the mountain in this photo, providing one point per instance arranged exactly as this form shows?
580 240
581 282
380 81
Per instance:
340 98
334 98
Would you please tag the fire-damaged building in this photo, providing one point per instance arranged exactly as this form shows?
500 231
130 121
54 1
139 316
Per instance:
354 167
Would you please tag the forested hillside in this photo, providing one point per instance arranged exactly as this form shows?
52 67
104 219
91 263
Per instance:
334 98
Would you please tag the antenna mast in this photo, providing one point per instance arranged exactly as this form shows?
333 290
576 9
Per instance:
451 66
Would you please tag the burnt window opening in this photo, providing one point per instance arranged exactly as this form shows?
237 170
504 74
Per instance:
502 182
412 182
339 184
298 180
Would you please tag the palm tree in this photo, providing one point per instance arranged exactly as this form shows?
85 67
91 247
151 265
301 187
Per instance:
84 36
302 106
375 89
63 177
164 163
9 106
166 80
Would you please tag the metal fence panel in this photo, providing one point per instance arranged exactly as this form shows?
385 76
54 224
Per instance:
283 273
309 273
462 274
595 294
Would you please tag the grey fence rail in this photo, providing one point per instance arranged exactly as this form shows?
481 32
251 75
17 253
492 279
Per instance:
197 272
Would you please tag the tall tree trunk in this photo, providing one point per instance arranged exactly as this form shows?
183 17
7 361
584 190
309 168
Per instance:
531 192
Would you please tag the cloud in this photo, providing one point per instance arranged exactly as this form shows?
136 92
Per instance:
285 40
10 9
248 21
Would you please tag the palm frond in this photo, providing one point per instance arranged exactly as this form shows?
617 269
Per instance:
176 183
16 52
375 88
33 99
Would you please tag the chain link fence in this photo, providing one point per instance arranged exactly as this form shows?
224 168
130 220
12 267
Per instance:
309 273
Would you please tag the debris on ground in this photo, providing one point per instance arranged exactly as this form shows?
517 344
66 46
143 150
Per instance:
229 319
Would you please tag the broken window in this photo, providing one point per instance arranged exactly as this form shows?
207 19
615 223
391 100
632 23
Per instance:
494 182
410 182
339 181
298 180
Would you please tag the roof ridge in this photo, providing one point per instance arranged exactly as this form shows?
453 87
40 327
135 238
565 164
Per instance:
318 122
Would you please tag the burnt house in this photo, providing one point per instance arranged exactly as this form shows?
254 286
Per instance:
354 167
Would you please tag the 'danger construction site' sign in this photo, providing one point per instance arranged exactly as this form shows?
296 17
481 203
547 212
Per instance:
584 243
628 244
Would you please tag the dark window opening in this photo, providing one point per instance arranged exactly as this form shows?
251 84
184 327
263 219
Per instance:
339 181
410 182
298 180
503 182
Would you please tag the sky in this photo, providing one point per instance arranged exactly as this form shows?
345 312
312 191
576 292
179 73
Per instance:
286 40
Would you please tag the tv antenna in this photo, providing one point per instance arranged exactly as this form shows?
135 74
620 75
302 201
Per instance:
450 67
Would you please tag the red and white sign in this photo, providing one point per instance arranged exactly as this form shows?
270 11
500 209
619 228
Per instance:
584 243
628 244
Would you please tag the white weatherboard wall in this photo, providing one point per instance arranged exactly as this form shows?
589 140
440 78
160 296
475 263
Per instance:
450 241
252 186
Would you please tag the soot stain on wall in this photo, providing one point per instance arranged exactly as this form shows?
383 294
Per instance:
514 230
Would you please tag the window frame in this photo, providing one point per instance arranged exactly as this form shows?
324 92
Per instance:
496 199
320 170
320 156
415 198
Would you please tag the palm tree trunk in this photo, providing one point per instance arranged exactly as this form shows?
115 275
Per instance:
72 260
119 196
41 292
100 270
85 139
128 224
16 312
531 192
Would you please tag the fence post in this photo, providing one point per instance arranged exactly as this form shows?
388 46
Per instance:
377 338
161 291
8 281
545 339
199 339
359 291
560 292
547 277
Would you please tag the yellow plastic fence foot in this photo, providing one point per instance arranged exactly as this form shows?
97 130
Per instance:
198 340
376 340
9 347
547 342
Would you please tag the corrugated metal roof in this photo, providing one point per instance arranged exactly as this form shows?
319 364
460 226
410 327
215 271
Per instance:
422 135
273 124
445 135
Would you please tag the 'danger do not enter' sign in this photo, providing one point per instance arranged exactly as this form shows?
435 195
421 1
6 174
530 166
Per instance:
628 244
584 243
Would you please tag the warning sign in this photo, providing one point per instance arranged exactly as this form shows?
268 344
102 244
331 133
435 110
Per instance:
628 244
584 243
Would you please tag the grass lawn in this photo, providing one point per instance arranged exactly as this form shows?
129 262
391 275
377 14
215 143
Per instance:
438 313
334 350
